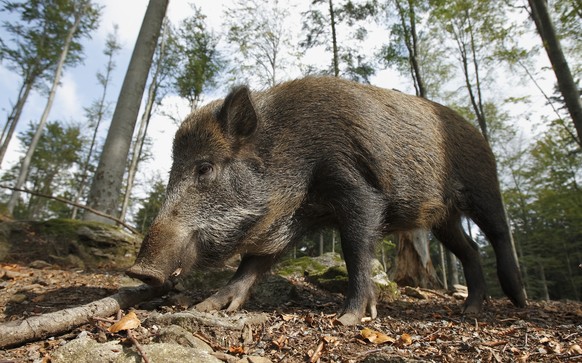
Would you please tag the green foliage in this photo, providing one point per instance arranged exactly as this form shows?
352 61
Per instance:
340 29
51 170
150 205
200 60
258 29
569 25
38 37
545 207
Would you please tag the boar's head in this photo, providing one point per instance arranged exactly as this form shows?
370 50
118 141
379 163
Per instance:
215 193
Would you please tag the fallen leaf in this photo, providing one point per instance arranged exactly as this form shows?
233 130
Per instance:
287 317
236 350
575 349
494 343
280 342
129 321
405 339
376 337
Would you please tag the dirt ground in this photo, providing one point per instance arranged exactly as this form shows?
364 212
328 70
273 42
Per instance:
429 329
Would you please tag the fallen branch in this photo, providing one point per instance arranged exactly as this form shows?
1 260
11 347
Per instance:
66 201
43 326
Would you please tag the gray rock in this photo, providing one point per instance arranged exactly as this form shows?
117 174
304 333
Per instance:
175 334
389 358
191 320
86 350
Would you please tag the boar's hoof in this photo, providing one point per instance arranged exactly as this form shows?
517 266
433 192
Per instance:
149 276
217 302
472 307
349 319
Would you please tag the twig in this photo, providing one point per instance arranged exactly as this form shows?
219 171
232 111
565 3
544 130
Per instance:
435 293
66 201
138 346
317 354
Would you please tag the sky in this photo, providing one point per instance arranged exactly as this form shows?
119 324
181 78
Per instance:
79 85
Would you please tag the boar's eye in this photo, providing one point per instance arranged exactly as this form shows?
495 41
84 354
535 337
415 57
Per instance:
205 171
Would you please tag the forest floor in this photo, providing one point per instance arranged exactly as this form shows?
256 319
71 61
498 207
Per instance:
426 328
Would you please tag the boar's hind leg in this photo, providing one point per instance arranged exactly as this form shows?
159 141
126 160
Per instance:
235 293
451 234
494 226
360 223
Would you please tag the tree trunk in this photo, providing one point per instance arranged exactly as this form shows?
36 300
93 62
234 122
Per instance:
15 117
334 40
413 264
320 243
411 41
108 180
142 132
58 72
444 266
566 83
544 283
453 271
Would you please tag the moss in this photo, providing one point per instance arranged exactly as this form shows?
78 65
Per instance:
387 292
334 279
299 267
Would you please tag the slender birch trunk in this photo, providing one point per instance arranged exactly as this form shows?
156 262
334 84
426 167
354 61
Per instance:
24 169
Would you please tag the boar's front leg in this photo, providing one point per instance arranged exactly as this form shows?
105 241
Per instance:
360 221
235 293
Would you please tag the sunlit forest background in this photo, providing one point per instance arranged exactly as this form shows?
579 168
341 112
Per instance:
485 58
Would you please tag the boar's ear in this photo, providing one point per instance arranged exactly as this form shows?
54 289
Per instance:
237 115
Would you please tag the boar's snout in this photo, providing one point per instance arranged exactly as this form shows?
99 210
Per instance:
163 254
149 276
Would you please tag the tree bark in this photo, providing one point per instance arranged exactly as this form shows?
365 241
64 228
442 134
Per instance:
413 264
566 84
108 180
334 40
14 117
58 72
43 326
142 132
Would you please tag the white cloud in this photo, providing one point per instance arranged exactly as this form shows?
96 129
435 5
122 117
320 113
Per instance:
127 15
67 103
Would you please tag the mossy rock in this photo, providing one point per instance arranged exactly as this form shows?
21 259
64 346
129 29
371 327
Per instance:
299 267
334 279
69 243
308 265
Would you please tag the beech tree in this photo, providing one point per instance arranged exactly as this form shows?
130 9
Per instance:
108 179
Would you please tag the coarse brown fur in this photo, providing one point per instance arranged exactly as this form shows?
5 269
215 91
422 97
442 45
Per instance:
253 173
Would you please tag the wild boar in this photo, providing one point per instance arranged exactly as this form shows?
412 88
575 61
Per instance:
255 172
